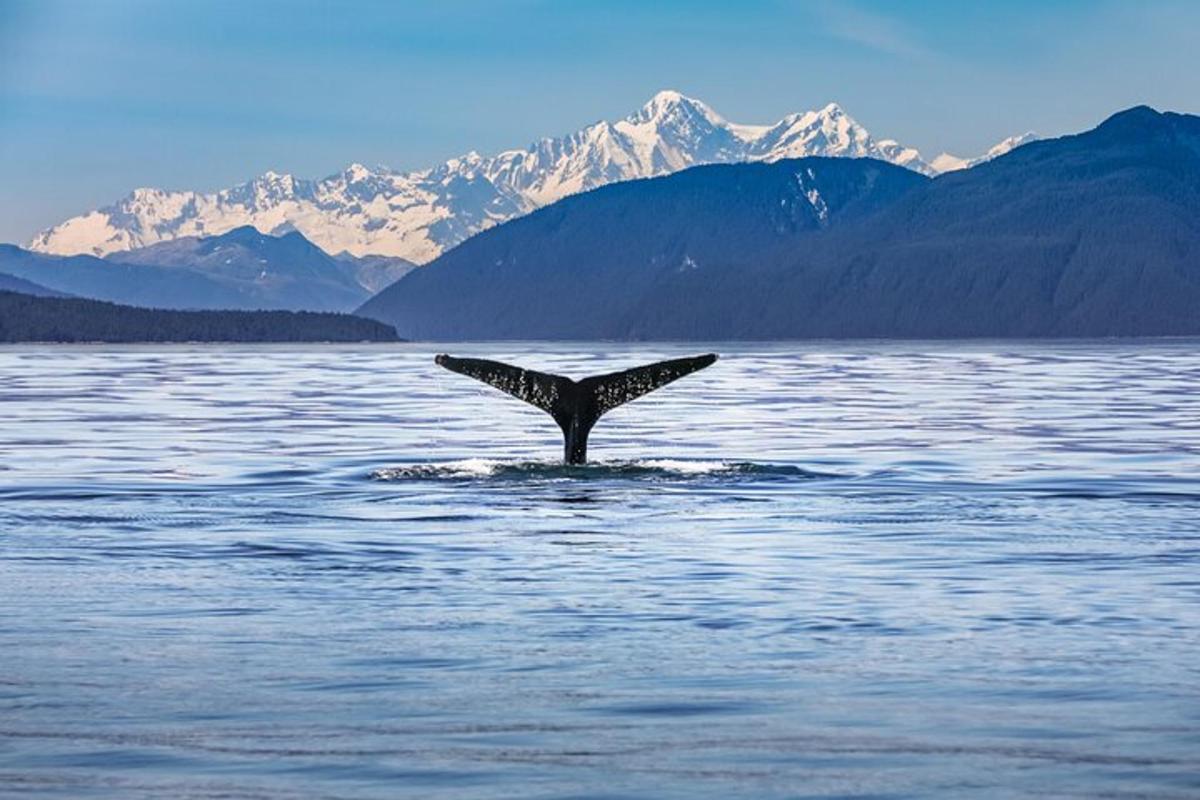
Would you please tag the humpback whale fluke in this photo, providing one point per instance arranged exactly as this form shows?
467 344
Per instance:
575 405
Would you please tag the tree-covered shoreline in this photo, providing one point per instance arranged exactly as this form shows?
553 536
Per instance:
27 318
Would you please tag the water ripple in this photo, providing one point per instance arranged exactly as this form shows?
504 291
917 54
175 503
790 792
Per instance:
831 569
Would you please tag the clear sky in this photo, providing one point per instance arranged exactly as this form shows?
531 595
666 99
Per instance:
100 96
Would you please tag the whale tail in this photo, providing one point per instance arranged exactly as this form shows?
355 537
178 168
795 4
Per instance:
575 405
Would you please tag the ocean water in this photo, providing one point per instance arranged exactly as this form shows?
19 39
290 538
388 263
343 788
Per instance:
836 569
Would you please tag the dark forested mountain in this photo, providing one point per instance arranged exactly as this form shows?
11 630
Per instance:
583 266
11 283
1096 234
28 318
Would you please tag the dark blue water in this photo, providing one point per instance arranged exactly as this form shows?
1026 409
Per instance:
835 569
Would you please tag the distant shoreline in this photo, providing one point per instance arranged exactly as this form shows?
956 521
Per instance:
630 344
30 319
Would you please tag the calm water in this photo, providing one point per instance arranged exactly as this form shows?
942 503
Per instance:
837 569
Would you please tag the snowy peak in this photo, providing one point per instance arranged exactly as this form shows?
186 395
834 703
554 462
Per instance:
830 132
1011 143
670 107
356 172
418 215
950 163
945 162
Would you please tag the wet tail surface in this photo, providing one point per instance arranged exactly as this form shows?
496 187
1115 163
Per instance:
575 405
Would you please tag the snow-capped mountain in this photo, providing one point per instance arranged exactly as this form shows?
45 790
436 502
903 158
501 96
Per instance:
950 163
418 215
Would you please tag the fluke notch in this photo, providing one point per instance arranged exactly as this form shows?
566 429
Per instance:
575 405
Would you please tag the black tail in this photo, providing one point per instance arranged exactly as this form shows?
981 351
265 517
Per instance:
575 405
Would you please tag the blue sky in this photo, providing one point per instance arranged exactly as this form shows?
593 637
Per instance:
100 96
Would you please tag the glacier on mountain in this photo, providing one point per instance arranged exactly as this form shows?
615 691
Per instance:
418 215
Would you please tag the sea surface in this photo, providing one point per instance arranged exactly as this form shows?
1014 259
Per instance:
831 569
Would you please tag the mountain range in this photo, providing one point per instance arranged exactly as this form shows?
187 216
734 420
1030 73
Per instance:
416 216
239 269
1096 234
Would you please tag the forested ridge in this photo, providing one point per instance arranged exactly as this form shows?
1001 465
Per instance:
27 318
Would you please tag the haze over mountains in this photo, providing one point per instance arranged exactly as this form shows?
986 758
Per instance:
419 215
11 283
1096 234
240 269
